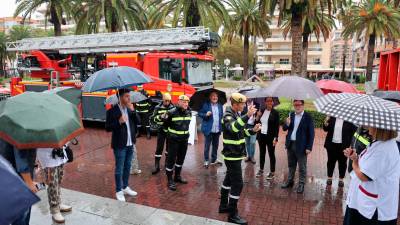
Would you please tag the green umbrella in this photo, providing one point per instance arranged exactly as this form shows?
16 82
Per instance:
71 94
38 120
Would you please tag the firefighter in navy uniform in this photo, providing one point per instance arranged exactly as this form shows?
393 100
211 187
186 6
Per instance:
177 120
160 109
234 151
143 108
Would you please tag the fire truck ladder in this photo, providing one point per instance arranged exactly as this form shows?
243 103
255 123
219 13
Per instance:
191 38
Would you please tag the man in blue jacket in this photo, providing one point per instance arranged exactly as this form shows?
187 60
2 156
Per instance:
211 113
299 142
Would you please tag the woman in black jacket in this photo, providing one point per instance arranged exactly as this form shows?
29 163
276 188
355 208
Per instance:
268 135
338 138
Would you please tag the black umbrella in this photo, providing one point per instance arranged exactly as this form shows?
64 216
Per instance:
197 100
259 100
388 95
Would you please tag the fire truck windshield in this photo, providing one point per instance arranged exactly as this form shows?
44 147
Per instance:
198 72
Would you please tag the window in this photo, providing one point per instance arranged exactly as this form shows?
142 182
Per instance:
283 61
166 65
317 61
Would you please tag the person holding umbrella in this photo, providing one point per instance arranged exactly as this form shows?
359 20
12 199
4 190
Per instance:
211 112
121 120
299 143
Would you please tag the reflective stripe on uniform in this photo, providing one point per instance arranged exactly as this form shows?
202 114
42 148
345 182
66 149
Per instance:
246 131
181 118
162 111
234 197
233 142
144 111
225 187
178 165
158 156
233 158
240 121
168 169
361 139
144 104
234 129
159 123
177 131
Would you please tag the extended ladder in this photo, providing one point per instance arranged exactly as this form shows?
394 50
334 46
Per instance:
190 38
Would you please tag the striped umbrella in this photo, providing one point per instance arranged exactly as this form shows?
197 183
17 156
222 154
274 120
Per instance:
361 109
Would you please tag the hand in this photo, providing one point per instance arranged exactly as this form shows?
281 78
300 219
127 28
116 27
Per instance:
130 106
32 187
351 154
251 110
259 114
164 116
308 151
209 113
326 121
274 142
288 121
123 119
257 127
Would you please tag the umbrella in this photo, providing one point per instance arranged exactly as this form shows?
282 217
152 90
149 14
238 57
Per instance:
38 120
15 196
336 86
115 78
361 109
135 97
294 87
71 94
388 95
199 97
258 95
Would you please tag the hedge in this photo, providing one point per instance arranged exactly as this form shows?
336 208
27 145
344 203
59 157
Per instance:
285 108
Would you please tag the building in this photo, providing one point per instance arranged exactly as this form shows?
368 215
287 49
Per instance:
338 48
7 22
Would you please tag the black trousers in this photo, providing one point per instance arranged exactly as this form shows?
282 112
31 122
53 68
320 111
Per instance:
161 140
353 217
233 178
176 154
144 121
296 157
335 154
264 142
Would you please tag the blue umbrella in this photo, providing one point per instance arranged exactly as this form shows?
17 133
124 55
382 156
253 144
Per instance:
115 78
15 196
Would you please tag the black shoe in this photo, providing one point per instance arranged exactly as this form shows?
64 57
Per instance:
341 183
171 186
286 185
223 209
179 179
248 159
155 171
148 135
236 219
329 182
300 188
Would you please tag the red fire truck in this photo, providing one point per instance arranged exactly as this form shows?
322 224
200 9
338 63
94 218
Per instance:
176 59
389 74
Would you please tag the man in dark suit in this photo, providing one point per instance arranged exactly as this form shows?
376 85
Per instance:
122 121
211 126
299 142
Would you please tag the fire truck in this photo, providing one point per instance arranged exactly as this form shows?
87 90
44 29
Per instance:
177 60
389 74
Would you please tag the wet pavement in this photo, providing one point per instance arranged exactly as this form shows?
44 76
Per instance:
262 202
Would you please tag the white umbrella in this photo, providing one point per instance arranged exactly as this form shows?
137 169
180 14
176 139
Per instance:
293 87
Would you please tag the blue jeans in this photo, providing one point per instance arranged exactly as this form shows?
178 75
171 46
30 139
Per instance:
251 145
211 139
24 218
123 159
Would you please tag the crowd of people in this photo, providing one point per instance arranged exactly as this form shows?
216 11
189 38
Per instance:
374 161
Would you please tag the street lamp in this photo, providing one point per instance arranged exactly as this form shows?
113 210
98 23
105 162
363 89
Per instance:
227 62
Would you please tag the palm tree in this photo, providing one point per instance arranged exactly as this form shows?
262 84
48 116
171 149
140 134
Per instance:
192 13
19 32
344 17
296 9
117 14
3 51
55 11
313 22
375 19
247 22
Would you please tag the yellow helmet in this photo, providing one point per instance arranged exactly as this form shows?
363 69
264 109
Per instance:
239 98
184 98
167 97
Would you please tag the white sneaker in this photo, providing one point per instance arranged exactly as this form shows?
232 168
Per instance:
129 191
136 172
65 208
58 217
206 164
120 196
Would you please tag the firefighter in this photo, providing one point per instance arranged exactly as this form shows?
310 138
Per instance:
234 150
160 109
143 108
177 120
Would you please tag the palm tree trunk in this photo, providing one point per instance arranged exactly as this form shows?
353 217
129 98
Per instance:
245 55
345 47
370 57
193 17
296 43
395 43
114 23
304 54
55 20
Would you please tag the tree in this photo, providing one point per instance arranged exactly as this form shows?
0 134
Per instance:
54 10
296 9
192 13
374 19
19 32
117 15
232 50
246 22
344 17
314 21
3 51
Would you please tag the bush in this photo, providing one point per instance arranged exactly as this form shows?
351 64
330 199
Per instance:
285 108
237 77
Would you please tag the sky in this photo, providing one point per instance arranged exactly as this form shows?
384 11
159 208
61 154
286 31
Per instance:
7 8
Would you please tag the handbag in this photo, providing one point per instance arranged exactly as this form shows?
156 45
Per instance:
70 154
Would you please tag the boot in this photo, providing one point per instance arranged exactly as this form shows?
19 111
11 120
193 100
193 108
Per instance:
178 178
156 166
223 205
171 183
233 213
148 133
56 215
